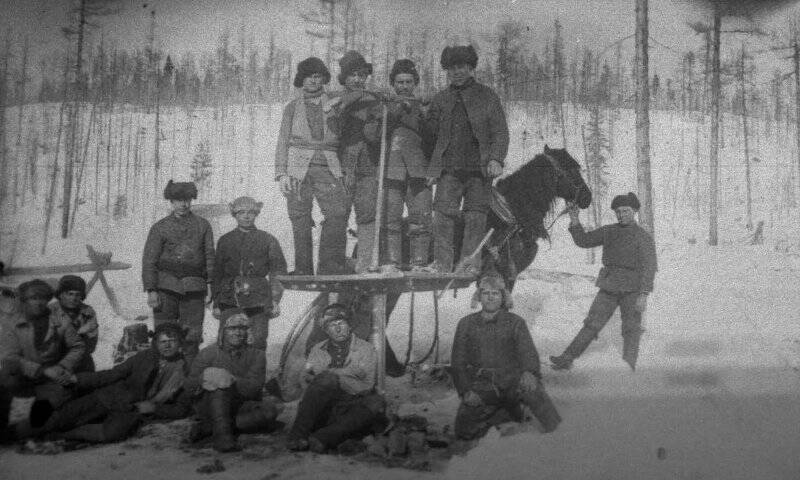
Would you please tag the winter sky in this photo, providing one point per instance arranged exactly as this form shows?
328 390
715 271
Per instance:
196 25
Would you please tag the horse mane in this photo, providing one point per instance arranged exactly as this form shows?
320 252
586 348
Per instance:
531 193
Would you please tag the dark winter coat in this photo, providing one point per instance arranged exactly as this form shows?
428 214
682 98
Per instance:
247 364
629 256
254 253
498 350
119 388
358 155
178 255
486 117
61 345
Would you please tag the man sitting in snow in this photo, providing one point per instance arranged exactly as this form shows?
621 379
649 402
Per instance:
629 268
495 367
246 262
70 308
340 401
226 382
38 353
143 387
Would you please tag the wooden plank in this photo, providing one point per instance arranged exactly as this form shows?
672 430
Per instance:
64 269
379 338
397 282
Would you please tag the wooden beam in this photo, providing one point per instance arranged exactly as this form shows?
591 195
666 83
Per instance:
51 270
379 338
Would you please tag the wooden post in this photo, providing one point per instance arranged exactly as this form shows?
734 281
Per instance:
379 338
376 246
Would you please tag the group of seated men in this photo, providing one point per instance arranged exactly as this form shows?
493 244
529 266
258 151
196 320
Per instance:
43 356
495 368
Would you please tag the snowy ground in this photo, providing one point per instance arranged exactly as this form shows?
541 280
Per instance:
716 394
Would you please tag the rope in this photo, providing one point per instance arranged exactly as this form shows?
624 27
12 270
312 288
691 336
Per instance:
410 330
435 343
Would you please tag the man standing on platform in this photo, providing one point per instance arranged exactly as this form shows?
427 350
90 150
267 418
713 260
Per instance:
406 167
359 156
307 167
247 260
178 265
470 149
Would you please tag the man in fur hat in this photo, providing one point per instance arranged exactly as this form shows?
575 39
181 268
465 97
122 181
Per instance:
629 268
406 167
178 265
307 167
495 367
226 382
469 153
247 260
116 401
69 307
340 401
38 352
355 108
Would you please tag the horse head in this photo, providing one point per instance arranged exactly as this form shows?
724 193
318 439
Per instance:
569 183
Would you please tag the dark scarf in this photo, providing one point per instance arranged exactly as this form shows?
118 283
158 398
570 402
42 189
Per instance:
338 352
459 88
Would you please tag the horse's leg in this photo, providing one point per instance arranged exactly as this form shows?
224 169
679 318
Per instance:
523 249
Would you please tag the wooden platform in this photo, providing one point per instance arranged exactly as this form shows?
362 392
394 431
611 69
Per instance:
394 282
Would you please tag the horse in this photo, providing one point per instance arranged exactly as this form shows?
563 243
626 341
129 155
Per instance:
521 203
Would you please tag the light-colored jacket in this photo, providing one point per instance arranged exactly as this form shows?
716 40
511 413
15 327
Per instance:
358 374
295 147
61 346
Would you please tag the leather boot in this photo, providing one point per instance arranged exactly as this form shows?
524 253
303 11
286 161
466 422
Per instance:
222 421
199 430
420 249
630 347
366 240
303 247
355 422
474 230
574 350
256 420
394 248
332 245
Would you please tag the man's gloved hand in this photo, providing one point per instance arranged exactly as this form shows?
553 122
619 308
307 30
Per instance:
59 375
641 303
288 185
153 299
494 169
145 407
472 399
217 378
529 383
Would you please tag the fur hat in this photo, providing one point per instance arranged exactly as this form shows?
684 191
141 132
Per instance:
69 283
352 61
495 281
458 55
234 317
171 329
404 66
244 204
334 311
308 67
629 200
35 288
180 191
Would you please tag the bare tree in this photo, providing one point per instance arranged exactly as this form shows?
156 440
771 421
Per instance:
644 181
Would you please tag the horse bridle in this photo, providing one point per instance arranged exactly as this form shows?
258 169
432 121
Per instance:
561 172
